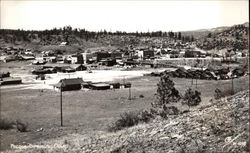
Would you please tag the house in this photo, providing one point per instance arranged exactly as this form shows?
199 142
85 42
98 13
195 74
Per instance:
127 85
69 84
4 75
39 62
59 59
108 62
67 69
99 86
87 58
77 59
48 53
12 58
115 85
63 43
27 57
52 59
145 54
10 80
78 67
101 55
43 70
191 54
116 55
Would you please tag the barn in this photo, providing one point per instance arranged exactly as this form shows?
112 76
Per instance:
70 84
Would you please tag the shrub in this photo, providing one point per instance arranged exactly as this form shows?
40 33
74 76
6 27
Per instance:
145 116
126 120
22 127
5 124
218 94
129 119
192 98
165 111
141 96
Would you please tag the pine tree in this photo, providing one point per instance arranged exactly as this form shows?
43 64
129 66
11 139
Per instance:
166 92
179 35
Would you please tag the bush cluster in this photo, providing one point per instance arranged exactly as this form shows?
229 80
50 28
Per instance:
7 125
166 94
129 119
192 98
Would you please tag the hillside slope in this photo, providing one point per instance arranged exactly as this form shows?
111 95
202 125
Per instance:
222 126
235 37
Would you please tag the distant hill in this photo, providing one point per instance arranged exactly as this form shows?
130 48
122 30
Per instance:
204 32
234 37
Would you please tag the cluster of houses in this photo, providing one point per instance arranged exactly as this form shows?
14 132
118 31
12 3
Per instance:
48 69
100 57
15 54
218 73
114 57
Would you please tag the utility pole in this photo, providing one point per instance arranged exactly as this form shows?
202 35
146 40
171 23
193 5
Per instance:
196 84
129 93
232 85
61 105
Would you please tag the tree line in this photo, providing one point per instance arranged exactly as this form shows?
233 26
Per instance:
27 35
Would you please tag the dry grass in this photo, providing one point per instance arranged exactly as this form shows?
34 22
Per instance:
88 110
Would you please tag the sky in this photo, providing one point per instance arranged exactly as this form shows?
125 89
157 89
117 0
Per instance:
129 16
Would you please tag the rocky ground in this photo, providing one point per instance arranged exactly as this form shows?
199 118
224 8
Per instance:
222 126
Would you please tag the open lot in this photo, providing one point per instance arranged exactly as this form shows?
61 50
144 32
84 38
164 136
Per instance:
87 110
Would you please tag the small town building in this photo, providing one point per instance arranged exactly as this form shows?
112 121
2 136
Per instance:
190 54
67 69
116 55
108 62
27 57
12 58
79 67
145 54
63 43
115 85
77 59
69 84
101 55
4 75
10 80
99 86
87 58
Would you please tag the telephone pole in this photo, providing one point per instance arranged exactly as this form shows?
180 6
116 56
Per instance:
196 84
129 93
232 90
61 106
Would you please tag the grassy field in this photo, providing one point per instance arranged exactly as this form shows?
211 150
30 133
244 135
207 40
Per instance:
90 110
